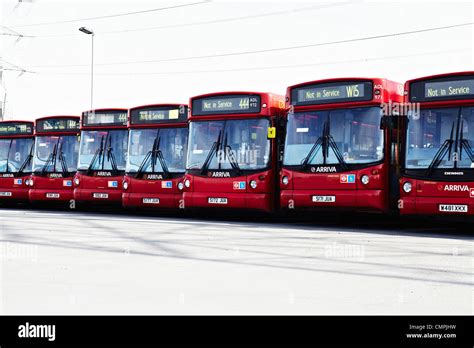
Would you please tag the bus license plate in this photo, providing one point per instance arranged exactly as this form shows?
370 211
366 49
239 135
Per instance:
5 194
453 208
101 195
217 200
52 195
151 201
324 199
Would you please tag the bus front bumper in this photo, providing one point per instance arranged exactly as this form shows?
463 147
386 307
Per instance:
359 200
252 201
51 195
98 196
436 206
147 200
13 194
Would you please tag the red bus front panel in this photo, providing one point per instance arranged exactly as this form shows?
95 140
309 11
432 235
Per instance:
232 151
102 157
438 161
54 159
337 147
16 146
156 159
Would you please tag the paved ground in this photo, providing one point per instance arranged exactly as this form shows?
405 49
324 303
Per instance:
89 263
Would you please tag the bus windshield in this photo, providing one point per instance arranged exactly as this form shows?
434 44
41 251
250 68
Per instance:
441 138
15 155
55 154
231 144
340 136
157 150
103 150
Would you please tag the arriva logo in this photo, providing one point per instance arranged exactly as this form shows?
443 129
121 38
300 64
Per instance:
457 188
325 170
220 175
104 174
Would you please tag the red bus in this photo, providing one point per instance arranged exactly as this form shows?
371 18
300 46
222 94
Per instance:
54 159
438 164
156 161
16 147
102 156
338 152
232 152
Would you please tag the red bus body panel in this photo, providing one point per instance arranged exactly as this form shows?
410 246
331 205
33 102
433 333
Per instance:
263 197
89 185
373 197
43 187
14 189
426 195
138 189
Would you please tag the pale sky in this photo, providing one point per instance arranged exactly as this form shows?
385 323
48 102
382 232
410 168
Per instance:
150 57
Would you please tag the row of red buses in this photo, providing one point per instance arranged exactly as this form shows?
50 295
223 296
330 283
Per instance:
334 144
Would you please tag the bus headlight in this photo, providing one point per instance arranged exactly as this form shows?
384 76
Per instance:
285 180
76 181
180 186
365 179
125 185
407 187
187 183
253 184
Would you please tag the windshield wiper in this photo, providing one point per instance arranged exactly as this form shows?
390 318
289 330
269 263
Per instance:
8 156
62 160
229 154
315 148
111 158
51 159
158 154
464 144
330 142
97 154
446 147
27 161
214 149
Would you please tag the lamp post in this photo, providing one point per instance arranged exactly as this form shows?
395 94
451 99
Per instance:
90 32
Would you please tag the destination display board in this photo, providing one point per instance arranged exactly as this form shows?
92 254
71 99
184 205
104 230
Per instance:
16 128
159 114
334 92
447 88
57 125
226 104
104 118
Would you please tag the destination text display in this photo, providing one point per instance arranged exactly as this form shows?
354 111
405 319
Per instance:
159 115
443 89
104 118
331 93
234 104
16 128
57 125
